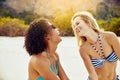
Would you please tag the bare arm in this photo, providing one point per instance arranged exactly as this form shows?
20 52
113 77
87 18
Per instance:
61 73
115 44
88 64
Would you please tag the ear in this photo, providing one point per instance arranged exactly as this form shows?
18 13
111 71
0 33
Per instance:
47 37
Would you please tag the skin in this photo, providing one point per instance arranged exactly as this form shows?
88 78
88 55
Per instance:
110 43
39 65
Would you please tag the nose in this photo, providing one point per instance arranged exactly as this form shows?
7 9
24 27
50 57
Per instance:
77 25
77 29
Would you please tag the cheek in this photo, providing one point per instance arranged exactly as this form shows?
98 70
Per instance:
85 26
55 36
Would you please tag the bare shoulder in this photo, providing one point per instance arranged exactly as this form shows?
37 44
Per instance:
39 60
83 49
109 35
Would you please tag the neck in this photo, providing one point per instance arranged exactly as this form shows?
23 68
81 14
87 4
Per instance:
92 37
51 49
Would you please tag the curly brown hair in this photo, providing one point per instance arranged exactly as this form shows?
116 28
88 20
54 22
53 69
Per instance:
35 42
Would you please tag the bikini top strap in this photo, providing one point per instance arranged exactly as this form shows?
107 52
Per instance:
51 66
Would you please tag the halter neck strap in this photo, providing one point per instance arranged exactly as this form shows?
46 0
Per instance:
51 65
101 52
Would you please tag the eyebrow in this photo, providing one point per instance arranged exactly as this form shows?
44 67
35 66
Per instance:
53 26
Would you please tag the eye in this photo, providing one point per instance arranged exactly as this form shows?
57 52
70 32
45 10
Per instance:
77 23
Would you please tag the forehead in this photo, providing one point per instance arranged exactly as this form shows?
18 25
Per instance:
49 23
77 19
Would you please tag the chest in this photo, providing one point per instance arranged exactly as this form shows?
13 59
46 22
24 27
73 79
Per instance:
106 49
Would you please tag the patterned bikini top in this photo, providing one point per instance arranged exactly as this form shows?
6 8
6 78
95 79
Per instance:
100 62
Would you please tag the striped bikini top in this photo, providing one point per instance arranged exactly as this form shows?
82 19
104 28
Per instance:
100 62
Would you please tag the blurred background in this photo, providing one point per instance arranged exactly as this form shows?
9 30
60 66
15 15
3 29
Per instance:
16 15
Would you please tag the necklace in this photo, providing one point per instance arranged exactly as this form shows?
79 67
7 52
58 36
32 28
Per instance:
101 52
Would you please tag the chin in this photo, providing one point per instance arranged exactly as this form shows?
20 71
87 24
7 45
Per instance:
60 40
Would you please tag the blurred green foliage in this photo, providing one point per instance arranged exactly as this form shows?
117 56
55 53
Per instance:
5 13
108 15
102 11
110 25
108 9
12 27
12 23
28 16
63 22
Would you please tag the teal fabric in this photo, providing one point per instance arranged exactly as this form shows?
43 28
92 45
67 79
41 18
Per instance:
52 68
40 78
57 68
